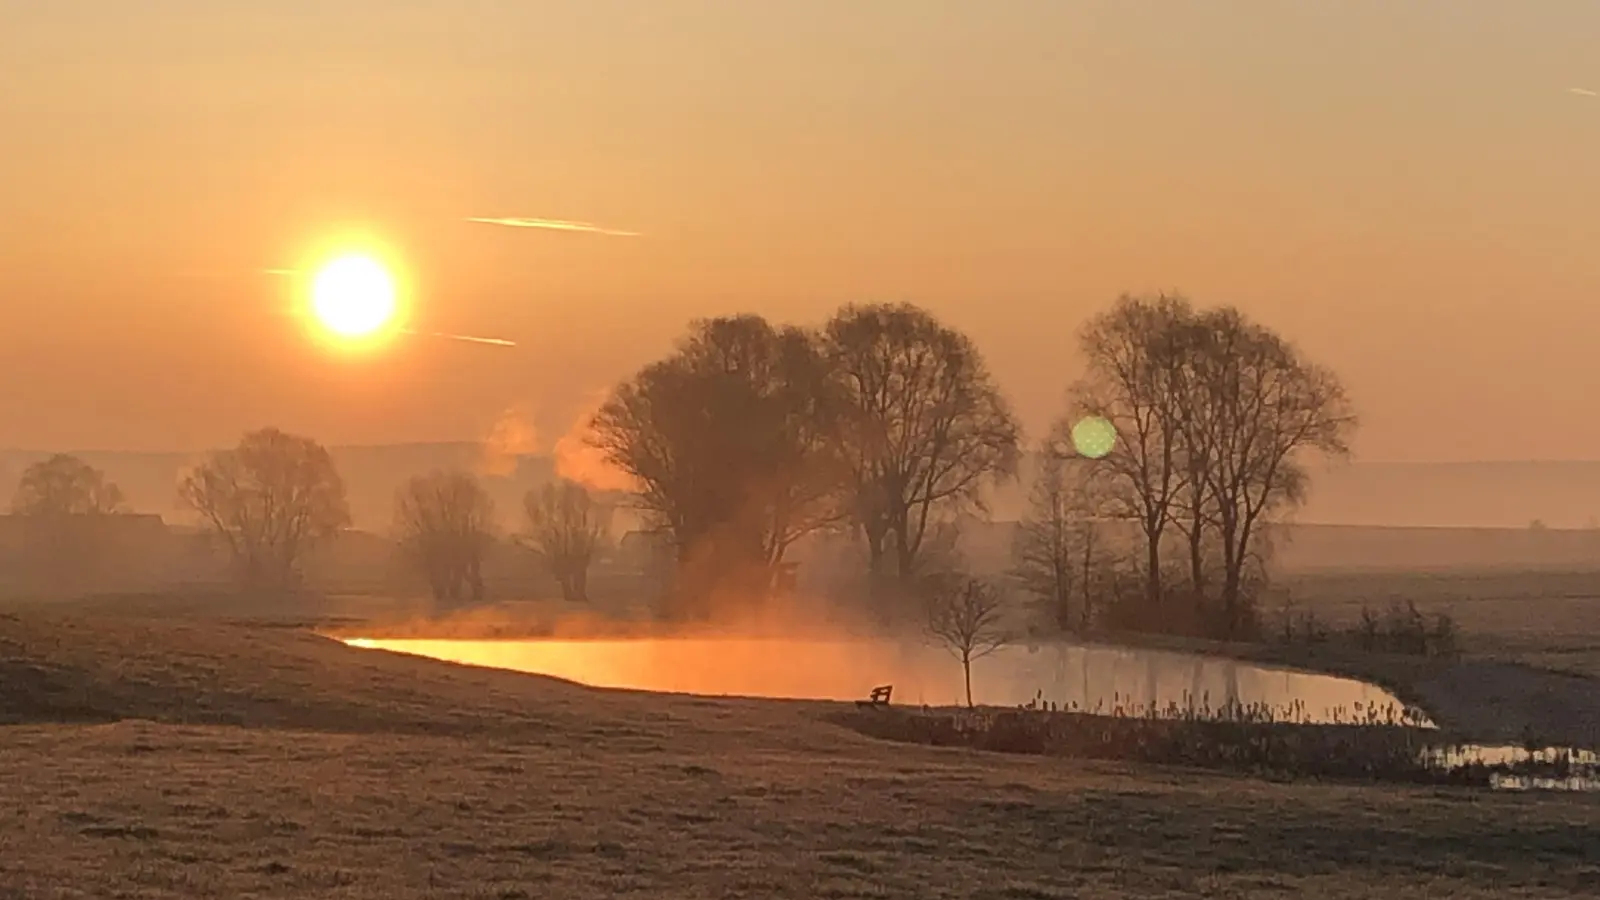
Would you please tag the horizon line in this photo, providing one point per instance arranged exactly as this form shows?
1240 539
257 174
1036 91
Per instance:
475 442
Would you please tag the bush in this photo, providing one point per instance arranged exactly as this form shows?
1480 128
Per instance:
1400 629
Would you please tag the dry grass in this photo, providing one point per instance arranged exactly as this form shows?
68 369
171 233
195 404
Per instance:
1546 619
366 775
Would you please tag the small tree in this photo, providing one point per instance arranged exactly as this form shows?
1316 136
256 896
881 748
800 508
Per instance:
444 522
1061 554
565 529
62 501
965 616
271 499
64 485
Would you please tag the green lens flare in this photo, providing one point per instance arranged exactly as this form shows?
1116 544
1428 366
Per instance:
1093 437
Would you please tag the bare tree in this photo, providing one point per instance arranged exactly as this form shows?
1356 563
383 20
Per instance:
271 499
444 523
1215 416
1193 511
965 615
732 442
1271 409
925 428
1134 362
1061 553
64 485
565 528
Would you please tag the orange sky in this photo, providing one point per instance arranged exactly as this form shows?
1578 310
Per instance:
1409 190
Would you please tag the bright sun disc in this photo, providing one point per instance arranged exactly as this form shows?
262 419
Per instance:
353 296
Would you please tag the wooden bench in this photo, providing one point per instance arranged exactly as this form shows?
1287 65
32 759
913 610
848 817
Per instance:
879 697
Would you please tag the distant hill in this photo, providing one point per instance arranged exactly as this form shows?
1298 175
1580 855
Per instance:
1475 495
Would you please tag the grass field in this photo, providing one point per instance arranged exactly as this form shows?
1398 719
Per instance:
1548 619
176 759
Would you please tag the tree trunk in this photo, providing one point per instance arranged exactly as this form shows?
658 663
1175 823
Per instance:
1063 598
878 581
905 560
1197 564
874 534
966 669
1232 564
1153 576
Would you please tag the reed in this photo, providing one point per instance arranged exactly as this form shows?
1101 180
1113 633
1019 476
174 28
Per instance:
1365 743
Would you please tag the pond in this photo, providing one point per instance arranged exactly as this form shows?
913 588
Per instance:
1087 677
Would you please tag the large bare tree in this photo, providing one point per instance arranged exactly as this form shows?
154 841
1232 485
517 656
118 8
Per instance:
1133 370
731 440
1193 508
1270 410
1063 555
565 528
271 499
925 428
444 524
967 616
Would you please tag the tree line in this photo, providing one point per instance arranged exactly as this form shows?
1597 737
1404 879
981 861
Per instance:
883 426
1215 418
275 497
750 437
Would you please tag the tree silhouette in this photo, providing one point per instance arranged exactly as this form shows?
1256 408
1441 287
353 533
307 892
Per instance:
565 528
270 499
924 427
732 440
965 614
1062 554
1133 367
445 524
1214 418
64 502
64 485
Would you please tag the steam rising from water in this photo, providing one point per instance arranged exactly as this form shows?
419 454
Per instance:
512 437
577 461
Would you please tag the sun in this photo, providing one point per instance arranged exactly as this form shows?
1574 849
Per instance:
353 297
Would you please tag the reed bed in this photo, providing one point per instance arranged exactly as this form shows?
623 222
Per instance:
1365 743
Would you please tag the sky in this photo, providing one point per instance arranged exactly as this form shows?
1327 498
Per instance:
1409 191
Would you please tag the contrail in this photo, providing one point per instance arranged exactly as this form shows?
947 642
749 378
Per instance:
1583 92
554 225
497 342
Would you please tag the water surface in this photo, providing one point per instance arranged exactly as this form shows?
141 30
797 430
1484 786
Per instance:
1092 677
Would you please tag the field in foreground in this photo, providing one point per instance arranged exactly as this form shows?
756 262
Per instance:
166 760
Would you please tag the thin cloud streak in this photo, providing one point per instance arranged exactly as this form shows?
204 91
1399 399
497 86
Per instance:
496 342
553 225
1583 92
